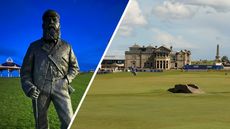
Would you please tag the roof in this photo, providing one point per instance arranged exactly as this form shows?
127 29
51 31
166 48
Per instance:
164 47
10 62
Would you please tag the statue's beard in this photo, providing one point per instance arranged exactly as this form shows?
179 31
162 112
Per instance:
51 33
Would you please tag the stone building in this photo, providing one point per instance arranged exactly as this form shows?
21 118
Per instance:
156 57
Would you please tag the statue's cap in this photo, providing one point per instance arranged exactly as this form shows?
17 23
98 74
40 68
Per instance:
50 13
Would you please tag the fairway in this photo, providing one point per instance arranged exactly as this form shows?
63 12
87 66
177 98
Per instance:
123 101
16 108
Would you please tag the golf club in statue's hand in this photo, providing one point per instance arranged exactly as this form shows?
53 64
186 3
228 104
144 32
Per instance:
34 93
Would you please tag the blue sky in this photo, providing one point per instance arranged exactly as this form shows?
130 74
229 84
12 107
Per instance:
196 25
86 24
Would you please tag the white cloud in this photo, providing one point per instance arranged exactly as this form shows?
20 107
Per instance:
133 17
183 9
173 10
168 39
134 14
125 30
218 5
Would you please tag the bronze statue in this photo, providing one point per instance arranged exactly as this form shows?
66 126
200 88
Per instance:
48 68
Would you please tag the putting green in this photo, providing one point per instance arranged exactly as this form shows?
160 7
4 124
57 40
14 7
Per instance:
123 101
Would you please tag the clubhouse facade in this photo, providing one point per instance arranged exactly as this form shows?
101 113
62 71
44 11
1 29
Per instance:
156 58
147 58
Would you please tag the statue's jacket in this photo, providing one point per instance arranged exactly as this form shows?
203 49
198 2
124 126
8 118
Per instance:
37 61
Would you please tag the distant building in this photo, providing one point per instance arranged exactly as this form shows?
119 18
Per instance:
10 66
219 62
181 58
112 64
217 59
156 57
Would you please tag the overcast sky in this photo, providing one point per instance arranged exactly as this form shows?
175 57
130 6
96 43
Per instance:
197 25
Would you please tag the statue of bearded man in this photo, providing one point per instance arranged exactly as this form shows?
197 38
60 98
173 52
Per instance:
48 68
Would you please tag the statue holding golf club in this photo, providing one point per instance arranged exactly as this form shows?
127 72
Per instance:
48 68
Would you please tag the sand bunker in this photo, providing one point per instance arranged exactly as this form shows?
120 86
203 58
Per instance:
186 88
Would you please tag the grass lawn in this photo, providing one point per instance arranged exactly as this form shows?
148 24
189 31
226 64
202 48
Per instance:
123 101
16 108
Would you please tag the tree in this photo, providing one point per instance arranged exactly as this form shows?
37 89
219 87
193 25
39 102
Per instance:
225 59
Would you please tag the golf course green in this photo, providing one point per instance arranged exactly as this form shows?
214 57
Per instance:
124 101
16 108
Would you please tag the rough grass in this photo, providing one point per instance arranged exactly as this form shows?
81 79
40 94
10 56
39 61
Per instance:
123 101
16 108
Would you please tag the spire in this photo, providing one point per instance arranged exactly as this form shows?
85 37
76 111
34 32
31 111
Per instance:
217 53
217 60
